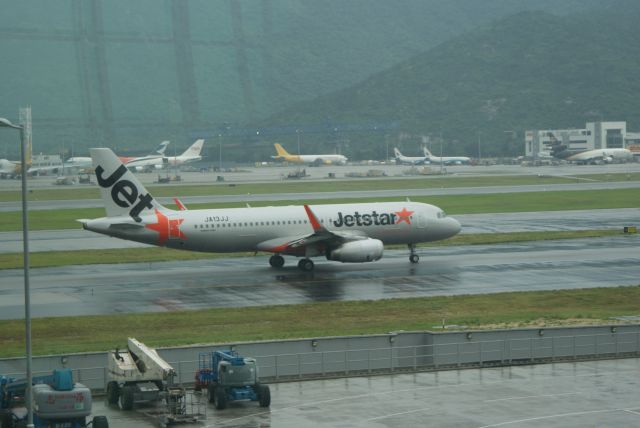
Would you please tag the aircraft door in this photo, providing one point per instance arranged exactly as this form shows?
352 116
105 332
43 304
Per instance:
422 220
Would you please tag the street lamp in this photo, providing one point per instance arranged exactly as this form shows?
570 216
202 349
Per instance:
25 240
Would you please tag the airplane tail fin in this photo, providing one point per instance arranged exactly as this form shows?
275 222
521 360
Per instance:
426 152
397 152
161 148
121 191
194 150
281 151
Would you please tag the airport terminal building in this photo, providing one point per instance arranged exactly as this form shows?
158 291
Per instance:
595 135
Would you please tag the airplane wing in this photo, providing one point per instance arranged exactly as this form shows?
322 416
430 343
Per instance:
320 239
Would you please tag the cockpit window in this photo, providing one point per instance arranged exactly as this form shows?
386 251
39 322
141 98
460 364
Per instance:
441 214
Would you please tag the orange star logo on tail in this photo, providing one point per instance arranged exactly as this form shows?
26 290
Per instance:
404 215
166 228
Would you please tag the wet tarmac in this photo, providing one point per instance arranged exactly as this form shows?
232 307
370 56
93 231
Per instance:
568 395
249 281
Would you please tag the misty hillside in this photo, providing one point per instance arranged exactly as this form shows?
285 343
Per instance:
130 74
529 71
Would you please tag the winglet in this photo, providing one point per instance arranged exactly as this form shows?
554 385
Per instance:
317 227
179 204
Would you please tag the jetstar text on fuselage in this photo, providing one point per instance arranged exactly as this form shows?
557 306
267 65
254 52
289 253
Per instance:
374 218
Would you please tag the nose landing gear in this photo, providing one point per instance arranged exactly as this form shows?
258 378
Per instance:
413 257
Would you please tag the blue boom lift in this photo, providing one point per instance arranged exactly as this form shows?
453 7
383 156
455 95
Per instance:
58 402
229 377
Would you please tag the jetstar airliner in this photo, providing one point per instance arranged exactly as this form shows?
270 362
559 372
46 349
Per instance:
351 233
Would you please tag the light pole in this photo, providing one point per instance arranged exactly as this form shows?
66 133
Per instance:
25 240
479 153
220 153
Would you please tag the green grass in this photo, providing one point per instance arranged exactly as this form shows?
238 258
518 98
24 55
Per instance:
437 182
98 333
156 254
454 204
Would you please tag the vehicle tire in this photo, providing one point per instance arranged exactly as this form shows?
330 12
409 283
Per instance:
100 422
221 398
276 261
126 398
211 393
113 392
414 258
264 395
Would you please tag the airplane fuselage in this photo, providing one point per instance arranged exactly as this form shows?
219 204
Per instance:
255 229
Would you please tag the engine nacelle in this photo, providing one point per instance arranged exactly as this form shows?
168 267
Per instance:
365 250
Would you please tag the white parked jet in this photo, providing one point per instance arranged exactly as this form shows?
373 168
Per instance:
159 160
343 232
446 160
409 160
283 155
601 156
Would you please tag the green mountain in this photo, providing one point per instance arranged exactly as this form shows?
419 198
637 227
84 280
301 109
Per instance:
531 70
128 74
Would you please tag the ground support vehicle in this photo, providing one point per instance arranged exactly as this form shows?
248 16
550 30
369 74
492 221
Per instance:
228 376
58 402
140 375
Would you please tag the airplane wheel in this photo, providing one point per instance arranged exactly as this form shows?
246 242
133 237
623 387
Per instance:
305 265
276 261
414 258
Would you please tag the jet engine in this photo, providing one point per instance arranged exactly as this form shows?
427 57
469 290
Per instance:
365 250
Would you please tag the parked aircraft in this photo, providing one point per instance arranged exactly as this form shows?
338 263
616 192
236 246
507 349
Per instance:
350 233
155 161
601 156
594 156
409 160
283 155
13 169
149 161
446 160
9 169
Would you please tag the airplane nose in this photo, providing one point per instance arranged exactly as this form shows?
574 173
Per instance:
453 226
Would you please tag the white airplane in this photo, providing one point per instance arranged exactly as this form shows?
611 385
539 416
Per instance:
159 160
409 160
9 169
283 155
561 151
350 233
150 161
446 160
601 155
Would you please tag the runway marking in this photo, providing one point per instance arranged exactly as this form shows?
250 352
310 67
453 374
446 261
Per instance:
632 411
559 415
531 396
396 414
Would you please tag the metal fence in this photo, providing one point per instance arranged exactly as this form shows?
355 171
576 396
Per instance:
429 351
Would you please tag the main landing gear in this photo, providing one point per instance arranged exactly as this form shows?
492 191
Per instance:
305 265
413 257
276 261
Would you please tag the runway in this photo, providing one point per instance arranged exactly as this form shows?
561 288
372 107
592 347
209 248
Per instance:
248 281
78 239
397 193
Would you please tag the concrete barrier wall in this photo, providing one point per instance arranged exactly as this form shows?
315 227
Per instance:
359 355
